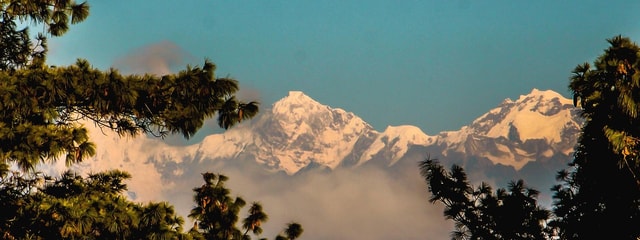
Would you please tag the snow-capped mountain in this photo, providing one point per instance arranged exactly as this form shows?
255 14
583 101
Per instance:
301 158
536 126
298 133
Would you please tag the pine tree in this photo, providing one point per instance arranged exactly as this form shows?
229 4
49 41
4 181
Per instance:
479 213
75 207
599 196
16 48
216 212
41 106
254 219
293 231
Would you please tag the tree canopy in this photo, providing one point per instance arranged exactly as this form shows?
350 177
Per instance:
94 207
16 48
480 213
598 195
41 110
75 207
217 212
41 105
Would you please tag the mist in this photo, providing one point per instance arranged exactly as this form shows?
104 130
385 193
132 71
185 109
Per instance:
360 203
342 204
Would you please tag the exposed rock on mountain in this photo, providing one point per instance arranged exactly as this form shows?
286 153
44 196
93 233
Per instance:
298 132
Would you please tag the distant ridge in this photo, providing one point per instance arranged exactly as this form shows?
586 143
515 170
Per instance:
297 132
303 158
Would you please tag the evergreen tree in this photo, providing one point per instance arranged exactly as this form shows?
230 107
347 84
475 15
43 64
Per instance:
40 105
479 213
40 110
599 195
73 207
254 219
216 213
293 231
16 48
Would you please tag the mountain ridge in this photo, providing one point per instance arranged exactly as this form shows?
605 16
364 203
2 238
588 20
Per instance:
298 131
316 163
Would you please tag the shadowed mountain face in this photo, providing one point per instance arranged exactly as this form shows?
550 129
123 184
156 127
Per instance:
330 170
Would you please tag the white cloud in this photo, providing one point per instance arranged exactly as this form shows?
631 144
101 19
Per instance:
364 203
158 58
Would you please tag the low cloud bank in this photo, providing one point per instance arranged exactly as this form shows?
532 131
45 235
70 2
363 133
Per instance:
363 203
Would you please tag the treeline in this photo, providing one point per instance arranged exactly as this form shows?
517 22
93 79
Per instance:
597 196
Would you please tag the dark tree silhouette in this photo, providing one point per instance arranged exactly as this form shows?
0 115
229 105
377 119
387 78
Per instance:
255 218
599 194
216 213
479 213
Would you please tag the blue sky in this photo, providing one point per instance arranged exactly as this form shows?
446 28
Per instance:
434 64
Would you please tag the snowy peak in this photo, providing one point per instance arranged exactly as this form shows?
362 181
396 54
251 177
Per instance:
396 140
299 131
537 125
299 114
546 103
298 105
522 119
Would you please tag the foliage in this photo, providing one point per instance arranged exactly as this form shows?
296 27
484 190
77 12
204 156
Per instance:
73 207
36 206
40 105
254 219
609 95
41 108
480 213
216 213
291 232
16 48
599 195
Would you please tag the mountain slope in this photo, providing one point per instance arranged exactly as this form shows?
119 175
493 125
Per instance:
537 126
298 132
314 163
532 135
